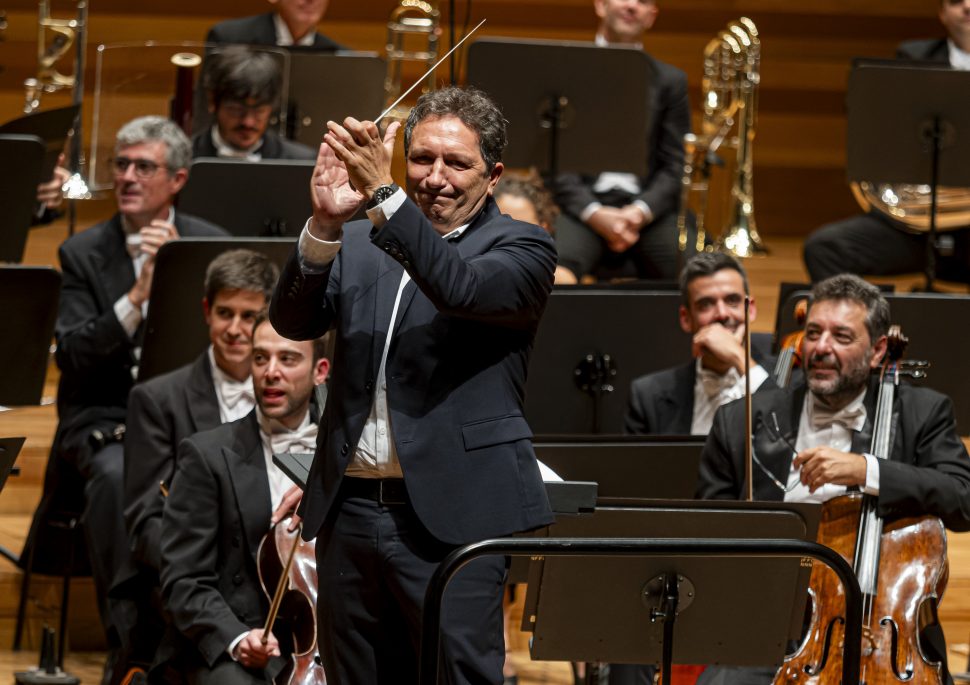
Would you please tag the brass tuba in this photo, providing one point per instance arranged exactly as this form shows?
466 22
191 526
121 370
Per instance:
729 91
909 205
412 36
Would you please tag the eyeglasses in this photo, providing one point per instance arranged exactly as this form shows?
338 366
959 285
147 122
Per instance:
239 110
144 168
776 435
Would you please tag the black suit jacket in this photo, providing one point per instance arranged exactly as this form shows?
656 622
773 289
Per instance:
274 147
662 402
94 353
928 471
161 413
669 122
455 372
933 50
258 30
215 516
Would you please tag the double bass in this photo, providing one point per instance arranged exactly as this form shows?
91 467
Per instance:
901 566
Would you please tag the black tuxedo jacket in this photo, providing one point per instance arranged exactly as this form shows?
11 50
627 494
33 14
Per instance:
669 122
928 471
161 413
662 402
274 147
933 50
94 353
258 30
215 516
455 372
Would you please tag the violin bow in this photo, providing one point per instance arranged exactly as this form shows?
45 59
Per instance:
748 437
281 586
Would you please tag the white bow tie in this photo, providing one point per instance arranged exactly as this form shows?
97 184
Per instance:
821 417
233 392
301 440
715 384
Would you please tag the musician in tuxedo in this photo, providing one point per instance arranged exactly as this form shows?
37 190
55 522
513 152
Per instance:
811 442
617 217
106 280
435 300
291 23
682 400
873 243
243 88
225 495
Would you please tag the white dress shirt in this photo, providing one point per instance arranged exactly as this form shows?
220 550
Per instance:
227 151
128 314
712 390
284 37
235 398
959 59
833 431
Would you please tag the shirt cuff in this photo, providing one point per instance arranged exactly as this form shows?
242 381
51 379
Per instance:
235 643
872 475
645 208
589 210
129 316
383 212
758 376
314 254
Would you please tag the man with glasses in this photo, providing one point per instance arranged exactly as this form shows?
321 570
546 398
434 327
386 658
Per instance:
243 87
107 276
812 442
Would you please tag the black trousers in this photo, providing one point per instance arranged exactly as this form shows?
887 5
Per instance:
374 563
873 245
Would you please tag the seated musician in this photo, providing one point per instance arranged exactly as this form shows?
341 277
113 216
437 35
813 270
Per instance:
225 490
107 276
243 88
682 400
873 243
614 218
292 22
812 442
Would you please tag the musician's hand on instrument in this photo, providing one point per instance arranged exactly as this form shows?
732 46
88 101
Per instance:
333 197
820 466
252 653
366 154
288 505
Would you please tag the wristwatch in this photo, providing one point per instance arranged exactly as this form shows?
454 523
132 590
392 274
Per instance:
381 194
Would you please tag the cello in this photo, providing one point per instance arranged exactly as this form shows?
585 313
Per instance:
291 583
901 566
789 355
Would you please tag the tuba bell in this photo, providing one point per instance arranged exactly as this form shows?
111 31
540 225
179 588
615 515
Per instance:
729 92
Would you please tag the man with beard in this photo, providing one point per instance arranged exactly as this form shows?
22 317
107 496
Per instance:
682 400
812 442
243 88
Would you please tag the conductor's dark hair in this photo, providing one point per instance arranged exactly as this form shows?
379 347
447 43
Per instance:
708 264
854 289
474 109
240 270
240 73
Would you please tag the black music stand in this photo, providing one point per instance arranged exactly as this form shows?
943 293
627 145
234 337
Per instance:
9 449
324 86
18 191
580 375
266 198
28 299
932 321
568 104
175 331
910 124
625 466
53 126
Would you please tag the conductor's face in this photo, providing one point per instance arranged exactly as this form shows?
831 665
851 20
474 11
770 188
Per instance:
447 177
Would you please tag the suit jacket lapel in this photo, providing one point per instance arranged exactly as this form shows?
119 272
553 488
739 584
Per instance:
111 264
862 440
201 395
246 466
772 444
389 274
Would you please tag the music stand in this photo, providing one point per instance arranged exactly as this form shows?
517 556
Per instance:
9 449
266 198
923 112
326 86
18 191
28 299
52 126
175 331
567 103
625 466
579 375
